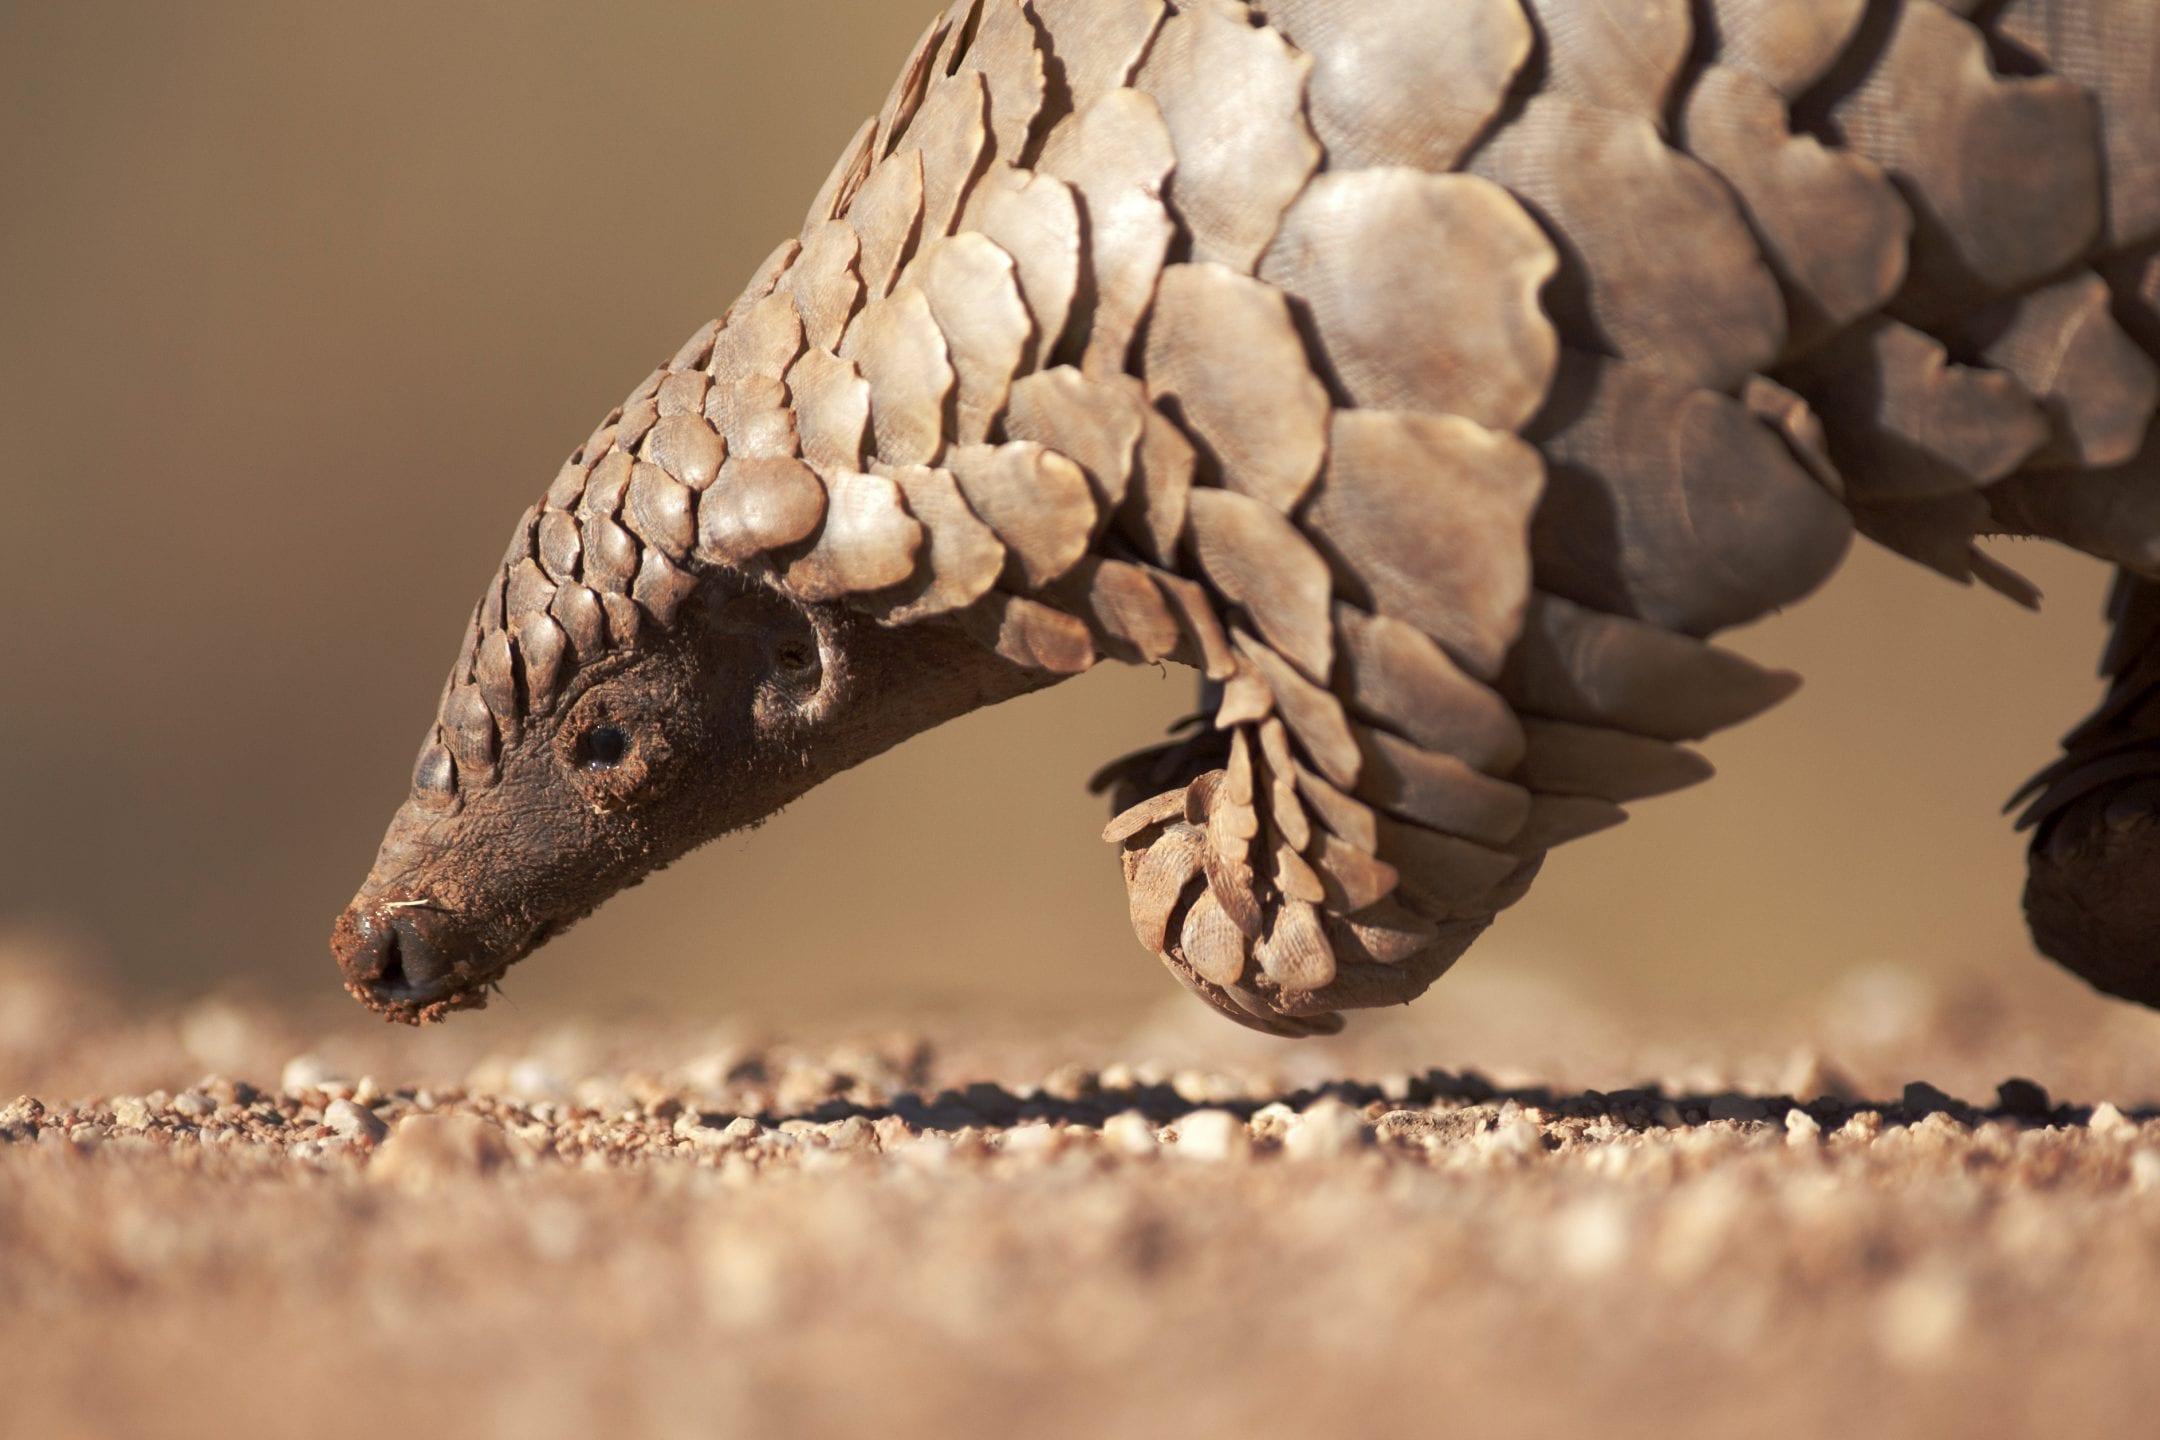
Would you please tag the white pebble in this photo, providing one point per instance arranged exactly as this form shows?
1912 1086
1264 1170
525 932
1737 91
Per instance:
1130 1133
1032 1140
2107 1120
1801 1128
1518 1135
532 1078
356 1123
130 1113
307 1072
1212 1135
1328 1129
853 1133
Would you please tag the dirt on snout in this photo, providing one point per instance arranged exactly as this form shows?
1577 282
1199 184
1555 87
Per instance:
659 1230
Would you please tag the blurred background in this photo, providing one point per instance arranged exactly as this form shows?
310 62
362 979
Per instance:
300 306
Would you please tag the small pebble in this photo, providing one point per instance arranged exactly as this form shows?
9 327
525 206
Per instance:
2107 1120
1196 1087
1130 1133
531 1078
1212 1135
306 1072
852 1134
194 1104
1327 1129
426 1151
356 1123
1940 1127
2022 1098
1035 1140
1516 1136
1801 1128
130 1113
1070 1082
1922 1098
1401 1126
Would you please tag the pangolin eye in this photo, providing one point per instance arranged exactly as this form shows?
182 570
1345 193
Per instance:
603 747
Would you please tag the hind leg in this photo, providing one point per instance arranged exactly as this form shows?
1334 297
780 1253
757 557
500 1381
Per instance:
2092 896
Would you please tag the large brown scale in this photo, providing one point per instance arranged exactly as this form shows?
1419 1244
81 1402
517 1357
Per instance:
1436 376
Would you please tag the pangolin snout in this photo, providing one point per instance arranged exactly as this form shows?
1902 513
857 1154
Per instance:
404 958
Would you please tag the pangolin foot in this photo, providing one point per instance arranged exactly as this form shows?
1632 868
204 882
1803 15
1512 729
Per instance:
2092 896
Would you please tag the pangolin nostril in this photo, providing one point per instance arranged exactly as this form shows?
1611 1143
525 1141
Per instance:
393 951
391 975
415 963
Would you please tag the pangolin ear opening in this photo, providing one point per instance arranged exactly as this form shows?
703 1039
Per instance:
798 655
795 647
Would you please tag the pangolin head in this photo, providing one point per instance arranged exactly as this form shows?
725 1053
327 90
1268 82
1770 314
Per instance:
662 657
530 806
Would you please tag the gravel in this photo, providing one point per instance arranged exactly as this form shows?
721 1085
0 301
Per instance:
641 1229
354 1122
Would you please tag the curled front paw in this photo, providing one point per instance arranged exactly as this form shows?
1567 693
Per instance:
1279 922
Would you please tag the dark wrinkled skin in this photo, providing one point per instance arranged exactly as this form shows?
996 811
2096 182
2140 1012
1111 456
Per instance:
2092 893
748 701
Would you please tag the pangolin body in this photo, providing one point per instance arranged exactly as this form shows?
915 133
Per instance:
1436 376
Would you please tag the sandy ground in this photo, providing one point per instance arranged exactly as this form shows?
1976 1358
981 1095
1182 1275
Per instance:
669 1229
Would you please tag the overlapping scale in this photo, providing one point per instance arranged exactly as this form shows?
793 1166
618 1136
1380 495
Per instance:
1657 265
1116 155
1617 55
1404 82
1243 149
1224 356
1989 221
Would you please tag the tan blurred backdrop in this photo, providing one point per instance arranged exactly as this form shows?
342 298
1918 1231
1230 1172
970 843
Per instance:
300 305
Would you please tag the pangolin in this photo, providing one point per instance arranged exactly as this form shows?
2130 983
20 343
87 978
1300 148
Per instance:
1436 377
